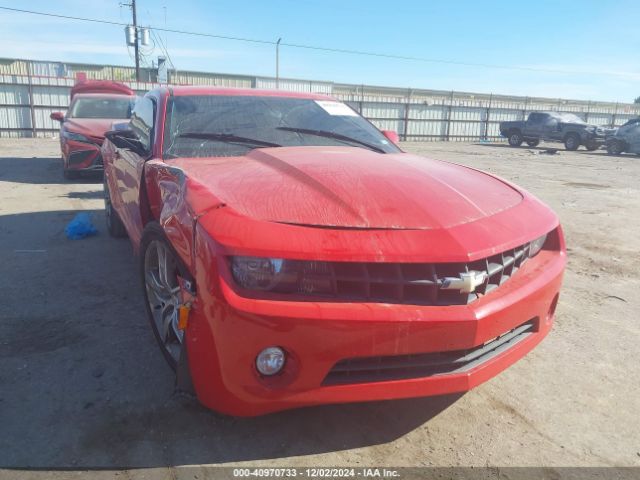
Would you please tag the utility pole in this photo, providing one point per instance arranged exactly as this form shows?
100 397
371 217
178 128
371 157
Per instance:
278 63
137 38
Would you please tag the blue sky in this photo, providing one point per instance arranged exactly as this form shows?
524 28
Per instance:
595 42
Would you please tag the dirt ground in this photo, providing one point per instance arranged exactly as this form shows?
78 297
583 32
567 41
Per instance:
83 385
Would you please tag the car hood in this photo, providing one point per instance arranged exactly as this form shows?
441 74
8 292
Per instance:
349 187
94 127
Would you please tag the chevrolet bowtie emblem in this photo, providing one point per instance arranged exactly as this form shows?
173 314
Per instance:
467 282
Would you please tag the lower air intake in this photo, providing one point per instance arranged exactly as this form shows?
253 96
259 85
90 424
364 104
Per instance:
402 367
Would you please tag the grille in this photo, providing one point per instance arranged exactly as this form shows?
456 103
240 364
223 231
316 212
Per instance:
402 367
80 156
421 283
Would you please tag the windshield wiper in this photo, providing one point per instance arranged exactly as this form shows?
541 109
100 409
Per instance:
336 136
228 137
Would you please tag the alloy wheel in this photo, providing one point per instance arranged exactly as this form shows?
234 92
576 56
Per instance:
572 143
163 295
515 139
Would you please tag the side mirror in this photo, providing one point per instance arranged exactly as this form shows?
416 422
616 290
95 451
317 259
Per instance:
392 136
127 139
57 116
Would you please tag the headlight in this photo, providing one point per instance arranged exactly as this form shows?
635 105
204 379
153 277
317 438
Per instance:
281 276
536 245
256 273
75 136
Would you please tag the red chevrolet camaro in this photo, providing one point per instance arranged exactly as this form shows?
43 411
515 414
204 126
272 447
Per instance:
94 106
293 255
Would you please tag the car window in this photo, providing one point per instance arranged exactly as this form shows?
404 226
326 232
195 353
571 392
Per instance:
536 117
101 108
142 120
194 121
570 118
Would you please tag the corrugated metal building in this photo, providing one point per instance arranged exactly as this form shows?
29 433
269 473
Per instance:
31 90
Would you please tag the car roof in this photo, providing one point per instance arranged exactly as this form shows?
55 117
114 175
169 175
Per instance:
189 90
102 95
551 112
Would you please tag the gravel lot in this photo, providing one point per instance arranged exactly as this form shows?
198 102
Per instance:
83 385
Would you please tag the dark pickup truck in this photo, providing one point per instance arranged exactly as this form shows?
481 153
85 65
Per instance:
555 127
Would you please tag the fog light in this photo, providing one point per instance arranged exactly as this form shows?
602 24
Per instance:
270 361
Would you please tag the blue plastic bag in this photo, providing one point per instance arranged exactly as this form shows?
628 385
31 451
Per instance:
80 227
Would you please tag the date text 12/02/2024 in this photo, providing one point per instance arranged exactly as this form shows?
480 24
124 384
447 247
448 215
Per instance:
316 472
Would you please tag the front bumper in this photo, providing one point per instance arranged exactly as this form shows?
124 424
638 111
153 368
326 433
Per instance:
596 138
82 156
227 331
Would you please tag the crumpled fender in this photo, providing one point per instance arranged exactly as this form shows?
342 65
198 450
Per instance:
177 202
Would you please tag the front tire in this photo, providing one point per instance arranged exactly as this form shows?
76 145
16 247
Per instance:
70 174
615 148
114 223
67 173
160 270
572 142
515 138
592 146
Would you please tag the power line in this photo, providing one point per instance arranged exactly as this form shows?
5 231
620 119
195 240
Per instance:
120 24
163 48
156 37
324 49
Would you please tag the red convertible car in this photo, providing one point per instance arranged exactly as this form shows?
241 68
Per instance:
293 255
95 105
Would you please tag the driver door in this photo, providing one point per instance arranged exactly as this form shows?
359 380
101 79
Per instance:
550 127
534 125
129 167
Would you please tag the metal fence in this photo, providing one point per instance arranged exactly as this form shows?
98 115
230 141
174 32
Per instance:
31 90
